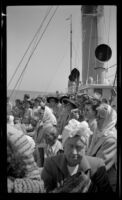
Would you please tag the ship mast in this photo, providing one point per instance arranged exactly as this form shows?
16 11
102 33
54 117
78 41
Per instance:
70 43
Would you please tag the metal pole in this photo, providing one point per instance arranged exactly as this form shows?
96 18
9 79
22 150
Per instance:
70 43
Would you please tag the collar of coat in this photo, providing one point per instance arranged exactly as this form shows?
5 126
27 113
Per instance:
61 163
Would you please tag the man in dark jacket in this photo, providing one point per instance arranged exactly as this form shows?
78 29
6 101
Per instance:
72 171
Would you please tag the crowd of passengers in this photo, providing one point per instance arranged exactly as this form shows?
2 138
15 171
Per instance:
50 139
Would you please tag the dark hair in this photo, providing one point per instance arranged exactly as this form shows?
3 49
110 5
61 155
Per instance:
50 130
17 100
26 96
16 167
104 100
94 103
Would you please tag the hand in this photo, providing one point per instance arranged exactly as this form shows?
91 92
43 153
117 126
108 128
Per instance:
82 185
60 184
58 189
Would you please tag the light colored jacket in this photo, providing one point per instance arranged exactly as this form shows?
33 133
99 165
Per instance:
105 147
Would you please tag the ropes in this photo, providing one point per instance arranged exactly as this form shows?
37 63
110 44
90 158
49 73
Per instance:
34 50
29 46
51 80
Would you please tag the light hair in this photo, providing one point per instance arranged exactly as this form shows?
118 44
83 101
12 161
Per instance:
50 129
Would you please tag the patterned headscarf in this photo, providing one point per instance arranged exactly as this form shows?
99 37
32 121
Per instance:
109 115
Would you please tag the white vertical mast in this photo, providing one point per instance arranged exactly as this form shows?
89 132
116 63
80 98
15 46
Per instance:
70 43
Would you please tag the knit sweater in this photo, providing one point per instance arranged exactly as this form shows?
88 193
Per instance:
20 142
26 185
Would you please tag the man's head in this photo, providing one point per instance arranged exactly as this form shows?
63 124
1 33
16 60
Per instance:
50 134
26 97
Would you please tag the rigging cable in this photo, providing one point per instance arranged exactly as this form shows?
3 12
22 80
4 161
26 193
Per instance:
33 51
50 81
20 81
29 46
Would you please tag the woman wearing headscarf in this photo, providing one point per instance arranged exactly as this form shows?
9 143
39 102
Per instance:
72 171
46 117
104 141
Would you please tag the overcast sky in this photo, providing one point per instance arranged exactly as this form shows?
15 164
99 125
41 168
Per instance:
49 66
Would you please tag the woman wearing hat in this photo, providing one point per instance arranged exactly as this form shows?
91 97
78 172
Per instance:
66 114
53 103
72 170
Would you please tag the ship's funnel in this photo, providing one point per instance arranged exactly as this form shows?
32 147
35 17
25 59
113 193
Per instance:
103 52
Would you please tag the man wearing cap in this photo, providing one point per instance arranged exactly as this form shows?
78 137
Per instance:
26 97
73 170
18 110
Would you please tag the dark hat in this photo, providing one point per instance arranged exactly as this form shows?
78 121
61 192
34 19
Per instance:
27 96
63 97
52 97
73 103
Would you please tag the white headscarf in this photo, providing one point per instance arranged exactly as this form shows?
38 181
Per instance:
110 118
49 117
11 120
74 128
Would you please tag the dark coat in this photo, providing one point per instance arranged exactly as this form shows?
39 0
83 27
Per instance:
55 170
